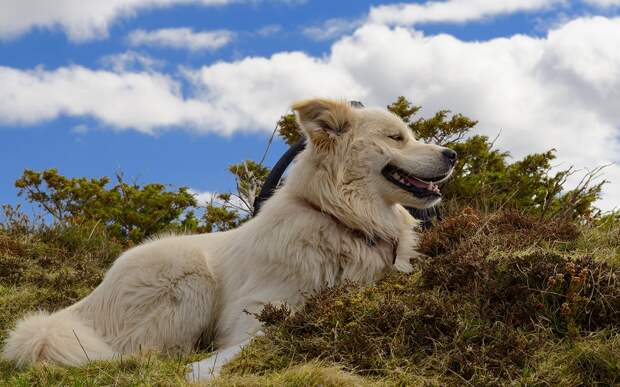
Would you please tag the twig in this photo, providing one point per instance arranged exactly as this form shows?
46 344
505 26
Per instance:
93 230
81 346
495 139
498 209
462 378
273 134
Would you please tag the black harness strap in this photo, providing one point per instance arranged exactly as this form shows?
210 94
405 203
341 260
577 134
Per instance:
274 177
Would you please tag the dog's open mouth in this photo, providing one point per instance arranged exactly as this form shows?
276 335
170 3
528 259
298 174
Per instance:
420 187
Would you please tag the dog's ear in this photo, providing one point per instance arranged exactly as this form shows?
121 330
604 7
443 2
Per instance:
323 120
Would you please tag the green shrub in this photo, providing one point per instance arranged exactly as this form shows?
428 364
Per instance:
129 212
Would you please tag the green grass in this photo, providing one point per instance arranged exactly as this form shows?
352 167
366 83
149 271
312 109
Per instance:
502 299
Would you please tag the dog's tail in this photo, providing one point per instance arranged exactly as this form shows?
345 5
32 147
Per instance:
59 338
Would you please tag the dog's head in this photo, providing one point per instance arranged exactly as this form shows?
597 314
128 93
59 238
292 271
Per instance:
370 154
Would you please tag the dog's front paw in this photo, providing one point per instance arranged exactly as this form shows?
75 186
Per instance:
403 265
210 367
204 370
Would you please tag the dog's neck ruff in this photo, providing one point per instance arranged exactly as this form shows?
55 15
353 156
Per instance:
371 240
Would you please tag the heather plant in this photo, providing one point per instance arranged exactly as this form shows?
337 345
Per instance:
500 299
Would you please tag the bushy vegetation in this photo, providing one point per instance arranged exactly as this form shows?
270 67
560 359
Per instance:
129 212
502 298
518 285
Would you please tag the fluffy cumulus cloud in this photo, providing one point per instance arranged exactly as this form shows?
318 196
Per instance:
81 20
183 38
454 10
558 91
254 92
536 91
247 95
142 101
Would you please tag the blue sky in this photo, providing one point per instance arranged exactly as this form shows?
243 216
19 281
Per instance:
174 91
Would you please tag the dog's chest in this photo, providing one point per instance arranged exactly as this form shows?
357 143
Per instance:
360 260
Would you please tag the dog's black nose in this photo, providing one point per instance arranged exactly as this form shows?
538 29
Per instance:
450 155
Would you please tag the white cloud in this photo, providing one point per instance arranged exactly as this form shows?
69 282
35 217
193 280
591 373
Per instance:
454 10
80 20
131 61
149 101
603 3
332 28
181 38
558 91
203 198
141 101
254 92
410 14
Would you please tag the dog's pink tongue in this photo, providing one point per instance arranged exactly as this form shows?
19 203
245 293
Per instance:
420 184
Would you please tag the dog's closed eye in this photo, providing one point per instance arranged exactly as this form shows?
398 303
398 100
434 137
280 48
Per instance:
397 137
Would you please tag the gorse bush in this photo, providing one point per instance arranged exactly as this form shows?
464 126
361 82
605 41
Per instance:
128 212
131 212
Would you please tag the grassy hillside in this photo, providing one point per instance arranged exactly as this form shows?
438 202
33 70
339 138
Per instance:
500 299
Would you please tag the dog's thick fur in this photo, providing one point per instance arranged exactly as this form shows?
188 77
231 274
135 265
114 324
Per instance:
171 293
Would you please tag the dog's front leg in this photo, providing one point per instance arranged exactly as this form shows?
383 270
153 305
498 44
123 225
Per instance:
403 260
210 367
407 242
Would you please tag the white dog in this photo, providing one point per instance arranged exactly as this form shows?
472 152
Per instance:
339 216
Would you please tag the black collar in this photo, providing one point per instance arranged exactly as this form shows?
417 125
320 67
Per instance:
371 240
